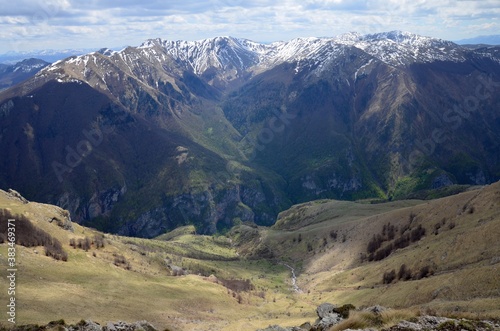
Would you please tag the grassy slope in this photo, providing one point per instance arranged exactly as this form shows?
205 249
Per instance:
464 258
93 287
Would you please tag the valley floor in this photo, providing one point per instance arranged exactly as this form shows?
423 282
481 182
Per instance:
340 252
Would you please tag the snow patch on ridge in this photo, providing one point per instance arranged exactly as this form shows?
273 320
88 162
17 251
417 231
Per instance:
231 57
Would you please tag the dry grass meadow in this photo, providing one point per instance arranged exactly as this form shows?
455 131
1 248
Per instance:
326 242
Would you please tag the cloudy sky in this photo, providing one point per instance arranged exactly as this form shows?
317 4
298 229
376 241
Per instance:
57 24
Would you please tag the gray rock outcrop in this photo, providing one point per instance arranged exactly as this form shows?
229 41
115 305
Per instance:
17 195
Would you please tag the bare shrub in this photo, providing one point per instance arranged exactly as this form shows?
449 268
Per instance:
417 233
120 260
28 235
374 243
389 231
99 241
437 226
54 249
389 276
86 244
402 242
404 228
425 271
404 273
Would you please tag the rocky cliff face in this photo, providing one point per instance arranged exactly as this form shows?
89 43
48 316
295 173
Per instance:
211 211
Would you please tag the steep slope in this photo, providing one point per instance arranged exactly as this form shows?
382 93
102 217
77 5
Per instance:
218 60
102 162
223 130
158 118
361 124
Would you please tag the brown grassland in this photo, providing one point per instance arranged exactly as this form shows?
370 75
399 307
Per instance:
452 269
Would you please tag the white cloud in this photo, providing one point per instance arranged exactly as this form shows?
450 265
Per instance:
99 23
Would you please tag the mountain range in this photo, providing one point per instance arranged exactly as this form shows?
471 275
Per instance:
224 131
483 40
49 55
13 74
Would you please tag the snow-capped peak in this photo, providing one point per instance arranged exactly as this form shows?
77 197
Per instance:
400 37
349 37
218 52
394 47
402 48
223 59
106 51
406 38
29 65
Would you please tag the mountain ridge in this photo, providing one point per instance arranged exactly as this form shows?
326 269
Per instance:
202 54
247 129
14 74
